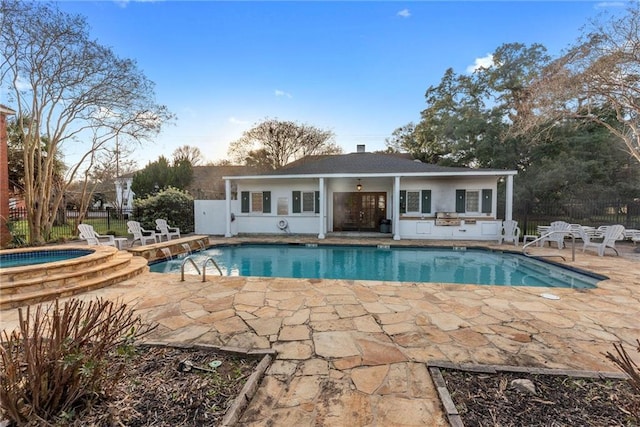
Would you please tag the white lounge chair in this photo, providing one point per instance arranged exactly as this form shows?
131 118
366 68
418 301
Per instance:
510 232
611 234
556 232
166 231
140 234
94 239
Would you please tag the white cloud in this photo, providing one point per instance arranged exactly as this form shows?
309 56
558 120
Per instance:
404 13
279 92
607 4
124 3
484 62
236 121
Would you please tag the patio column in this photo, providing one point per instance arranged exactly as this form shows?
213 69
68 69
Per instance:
396 208
508 207
227 199
323 210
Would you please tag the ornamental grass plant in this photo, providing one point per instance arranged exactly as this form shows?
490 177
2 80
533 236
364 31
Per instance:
63 356
626 364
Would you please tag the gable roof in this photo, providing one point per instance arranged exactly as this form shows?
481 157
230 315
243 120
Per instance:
371 164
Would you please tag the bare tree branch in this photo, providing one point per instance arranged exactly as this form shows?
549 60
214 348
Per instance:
273 143
600 73
74 91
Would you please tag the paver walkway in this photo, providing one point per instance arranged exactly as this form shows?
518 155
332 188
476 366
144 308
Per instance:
353 353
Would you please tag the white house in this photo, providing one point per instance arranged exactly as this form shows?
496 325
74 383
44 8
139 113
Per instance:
368 192
124 194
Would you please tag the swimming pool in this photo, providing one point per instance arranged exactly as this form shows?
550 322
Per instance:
20 259
396 264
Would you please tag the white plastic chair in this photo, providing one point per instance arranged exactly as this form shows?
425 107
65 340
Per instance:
510 232
94 239
556 232
166 231
140 234
611 234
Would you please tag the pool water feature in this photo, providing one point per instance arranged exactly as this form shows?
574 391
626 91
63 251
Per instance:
21 259
397 264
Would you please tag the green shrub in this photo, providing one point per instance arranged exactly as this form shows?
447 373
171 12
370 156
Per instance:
171 204
62 358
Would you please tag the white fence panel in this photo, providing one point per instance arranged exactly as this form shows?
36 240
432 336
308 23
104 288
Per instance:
210 217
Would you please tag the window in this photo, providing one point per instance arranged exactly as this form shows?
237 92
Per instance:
474 201
415 201
255 202
306 201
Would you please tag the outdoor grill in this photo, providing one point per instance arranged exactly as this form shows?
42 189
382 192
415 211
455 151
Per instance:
447 218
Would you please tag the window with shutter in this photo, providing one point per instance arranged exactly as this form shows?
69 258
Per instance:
245 202
426 201
266 202
296 198
460 201
487 200
403 201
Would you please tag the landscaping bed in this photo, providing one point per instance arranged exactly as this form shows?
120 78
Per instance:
165 386
489 397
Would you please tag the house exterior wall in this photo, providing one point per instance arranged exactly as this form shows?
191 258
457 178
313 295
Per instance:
281 208
473 226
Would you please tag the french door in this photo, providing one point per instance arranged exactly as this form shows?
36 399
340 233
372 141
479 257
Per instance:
359 211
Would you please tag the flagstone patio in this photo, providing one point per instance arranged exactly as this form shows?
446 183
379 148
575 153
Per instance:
355 352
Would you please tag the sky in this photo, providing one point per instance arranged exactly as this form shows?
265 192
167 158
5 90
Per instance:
359 69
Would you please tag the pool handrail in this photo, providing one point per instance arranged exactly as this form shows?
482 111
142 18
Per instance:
204 267
573 244
184 261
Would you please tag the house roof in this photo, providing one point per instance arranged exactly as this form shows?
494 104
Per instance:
6 110
369 164
208 183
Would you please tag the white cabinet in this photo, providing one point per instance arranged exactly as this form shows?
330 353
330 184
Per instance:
427 229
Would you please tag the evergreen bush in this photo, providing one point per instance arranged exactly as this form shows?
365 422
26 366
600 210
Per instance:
174 205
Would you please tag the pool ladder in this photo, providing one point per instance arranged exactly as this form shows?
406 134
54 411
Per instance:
573 245
204 267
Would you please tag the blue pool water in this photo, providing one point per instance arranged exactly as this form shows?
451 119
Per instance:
396 264
20 259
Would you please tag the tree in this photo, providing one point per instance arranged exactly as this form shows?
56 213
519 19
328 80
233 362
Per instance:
16 152
578 162
273 143
466 116
160 175
172 204
72 90
599 73
191 154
